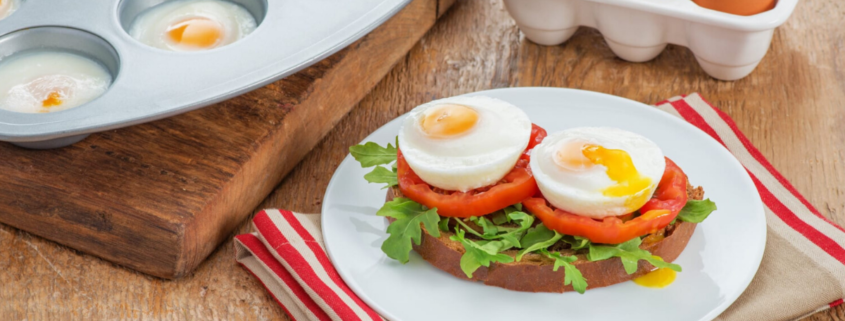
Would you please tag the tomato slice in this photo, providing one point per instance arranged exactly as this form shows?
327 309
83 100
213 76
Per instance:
668 200
516 186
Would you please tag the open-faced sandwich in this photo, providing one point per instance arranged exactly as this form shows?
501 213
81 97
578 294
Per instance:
482 193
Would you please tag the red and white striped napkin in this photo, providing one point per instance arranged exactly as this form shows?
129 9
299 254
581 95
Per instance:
803 268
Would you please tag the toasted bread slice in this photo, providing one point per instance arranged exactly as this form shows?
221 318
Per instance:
534 272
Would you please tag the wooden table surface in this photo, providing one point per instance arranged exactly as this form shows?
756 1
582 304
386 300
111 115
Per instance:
792 107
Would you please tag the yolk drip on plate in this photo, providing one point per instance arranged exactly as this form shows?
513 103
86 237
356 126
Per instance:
196 32
620 169
659 278
448 120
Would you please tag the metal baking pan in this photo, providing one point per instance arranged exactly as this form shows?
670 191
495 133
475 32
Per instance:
150 83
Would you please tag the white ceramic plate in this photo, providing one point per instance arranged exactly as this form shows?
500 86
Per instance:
719 262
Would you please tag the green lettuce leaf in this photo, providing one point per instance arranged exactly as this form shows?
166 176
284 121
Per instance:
577 242
406 228
502 216
630 253
444 224
537 234
572 274
371 154
499 218
696 211
511 235
382 175
489 228
537 238
480 253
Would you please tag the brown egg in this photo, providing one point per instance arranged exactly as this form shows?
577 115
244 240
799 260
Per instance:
738 7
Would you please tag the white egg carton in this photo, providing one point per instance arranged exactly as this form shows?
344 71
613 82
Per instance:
727 46
150 83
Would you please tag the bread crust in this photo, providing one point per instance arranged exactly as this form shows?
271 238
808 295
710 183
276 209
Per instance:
534 273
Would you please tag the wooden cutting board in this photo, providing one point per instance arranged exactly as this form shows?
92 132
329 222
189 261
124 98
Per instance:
160 197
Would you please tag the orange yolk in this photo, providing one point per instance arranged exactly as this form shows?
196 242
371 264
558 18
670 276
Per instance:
196 32
53 99
448 120
579 156
620 169
659 278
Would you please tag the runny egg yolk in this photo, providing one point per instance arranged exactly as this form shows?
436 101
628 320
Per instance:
448 120
659 278
620 169
580 156
53 99
196 32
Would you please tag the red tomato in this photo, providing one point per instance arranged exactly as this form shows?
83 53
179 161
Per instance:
668 200
516 186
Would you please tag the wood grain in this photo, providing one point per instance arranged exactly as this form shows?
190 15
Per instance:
791 107
160 197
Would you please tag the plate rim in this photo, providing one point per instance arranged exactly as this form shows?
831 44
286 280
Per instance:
712 314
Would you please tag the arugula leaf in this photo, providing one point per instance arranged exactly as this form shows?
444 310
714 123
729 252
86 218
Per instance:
466 227
577 242
382 175
513 208
525 221
502 216
480 254
538 238
371 154
696 211
537 234
499 218
511 235
443 224
571 274
630 253
406 228
487 226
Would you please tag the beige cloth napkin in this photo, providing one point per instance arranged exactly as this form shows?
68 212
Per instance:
803 267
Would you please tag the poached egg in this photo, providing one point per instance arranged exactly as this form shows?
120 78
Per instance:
49 81
597 172
192 25
463 143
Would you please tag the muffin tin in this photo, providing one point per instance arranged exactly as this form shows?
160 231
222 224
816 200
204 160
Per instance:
727 46
150 83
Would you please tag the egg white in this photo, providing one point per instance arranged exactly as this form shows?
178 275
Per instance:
7 7
28 78
480 157
151 26
581 191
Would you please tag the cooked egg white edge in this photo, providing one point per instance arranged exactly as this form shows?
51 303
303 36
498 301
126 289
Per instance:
478 158
8 7
582 193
